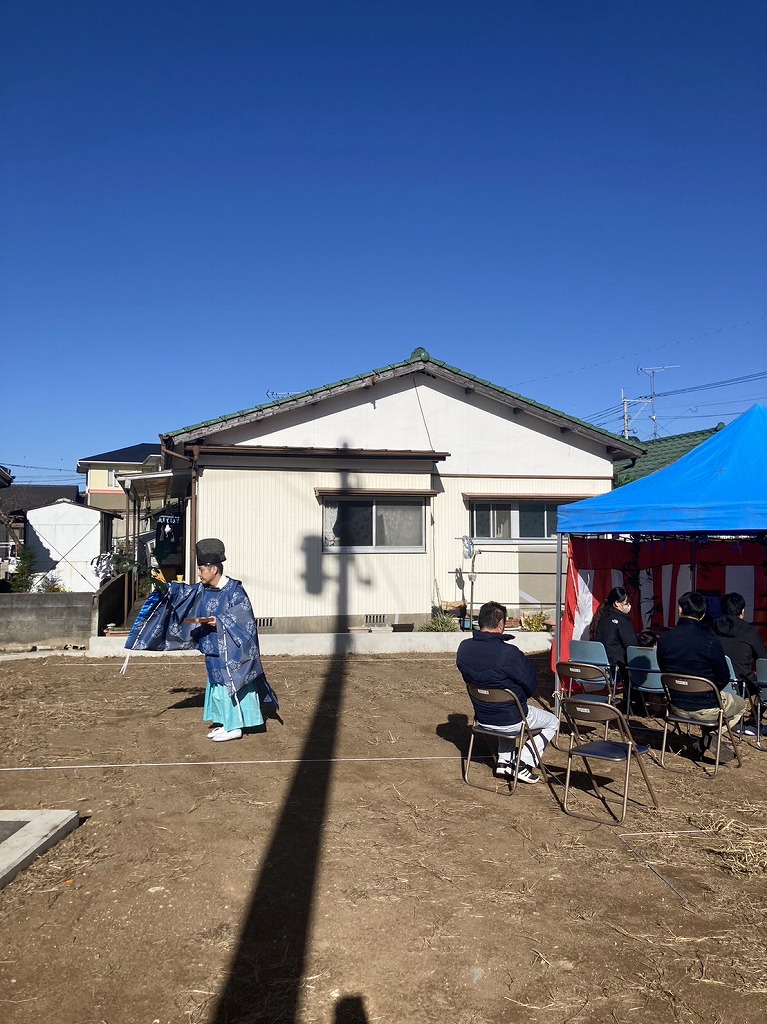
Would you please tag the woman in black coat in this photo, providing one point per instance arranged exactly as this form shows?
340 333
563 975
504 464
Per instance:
612 626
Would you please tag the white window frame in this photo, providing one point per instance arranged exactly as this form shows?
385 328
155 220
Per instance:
374 548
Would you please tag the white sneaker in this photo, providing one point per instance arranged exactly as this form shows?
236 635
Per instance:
223 735
214 730
526 774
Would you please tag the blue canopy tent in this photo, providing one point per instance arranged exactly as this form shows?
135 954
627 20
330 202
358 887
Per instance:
718 488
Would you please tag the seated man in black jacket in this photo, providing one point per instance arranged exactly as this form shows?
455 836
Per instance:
691 649
487 660
741 642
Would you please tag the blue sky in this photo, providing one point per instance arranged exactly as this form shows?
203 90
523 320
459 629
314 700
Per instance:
201 202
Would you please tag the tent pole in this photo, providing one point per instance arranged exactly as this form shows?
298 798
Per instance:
558 620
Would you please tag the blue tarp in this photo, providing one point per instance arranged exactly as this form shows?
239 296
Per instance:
718 487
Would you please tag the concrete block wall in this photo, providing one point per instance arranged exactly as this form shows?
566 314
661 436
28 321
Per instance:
46 618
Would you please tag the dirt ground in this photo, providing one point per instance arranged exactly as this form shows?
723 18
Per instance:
336 869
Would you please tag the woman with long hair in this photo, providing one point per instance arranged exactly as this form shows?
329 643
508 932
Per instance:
612 627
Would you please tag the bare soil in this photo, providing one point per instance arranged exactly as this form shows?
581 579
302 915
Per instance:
335 868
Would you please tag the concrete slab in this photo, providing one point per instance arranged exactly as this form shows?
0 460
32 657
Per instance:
303 644
24 835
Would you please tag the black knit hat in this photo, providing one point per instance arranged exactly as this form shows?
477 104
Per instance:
210 550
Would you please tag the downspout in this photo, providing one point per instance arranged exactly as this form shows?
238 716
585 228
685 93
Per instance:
192 546
126 593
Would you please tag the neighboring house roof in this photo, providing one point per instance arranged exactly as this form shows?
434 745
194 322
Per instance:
80 505
661 452
419 362
5 477
19 498
133 455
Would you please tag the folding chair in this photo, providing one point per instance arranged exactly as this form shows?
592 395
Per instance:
680 684
644 677
493 695
590 652
759 699
580 713
595 682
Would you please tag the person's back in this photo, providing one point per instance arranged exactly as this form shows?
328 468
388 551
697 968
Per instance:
487 659
741 642
692 649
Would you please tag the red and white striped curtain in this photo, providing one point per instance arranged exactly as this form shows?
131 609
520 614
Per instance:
656 573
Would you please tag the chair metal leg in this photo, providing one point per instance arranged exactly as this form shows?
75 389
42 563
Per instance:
735 746
468 759
597 790
663 745
646 777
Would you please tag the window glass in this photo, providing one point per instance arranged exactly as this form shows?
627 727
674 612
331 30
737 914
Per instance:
348 524
532 519
502 522
371 523
551 519
512 520
482 519
399 524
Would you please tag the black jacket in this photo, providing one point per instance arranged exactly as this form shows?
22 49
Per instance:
486 659
741 643
691 649
616 632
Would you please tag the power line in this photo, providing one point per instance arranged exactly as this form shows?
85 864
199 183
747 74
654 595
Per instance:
631 355
615 410
707 387
52 469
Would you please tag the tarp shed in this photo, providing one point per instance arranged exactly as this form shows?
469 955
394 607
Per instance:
720 487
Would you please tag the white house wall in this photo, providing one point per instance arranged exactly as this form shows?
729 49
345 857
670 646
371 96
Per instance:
270 517
271 523
419 413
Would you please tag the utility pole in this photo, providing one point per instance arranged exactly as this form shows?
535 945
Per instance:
651 371
625 403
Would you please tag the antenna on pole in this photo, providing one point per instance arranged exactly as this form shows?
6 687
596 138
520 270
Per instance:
625 403
280 394
651 371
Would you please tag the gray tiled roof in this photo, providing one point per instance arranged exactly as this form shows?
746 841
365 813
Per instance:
661 452
420 358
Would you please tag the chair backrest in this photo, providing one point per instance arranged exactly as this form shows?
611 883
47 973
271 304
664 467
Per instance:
733 677
581 672
674 682
590 652
495 695
579 712
643 668
761 671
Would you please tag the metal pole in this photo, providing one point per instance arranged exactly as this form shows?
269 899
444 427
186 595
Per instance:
558 621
